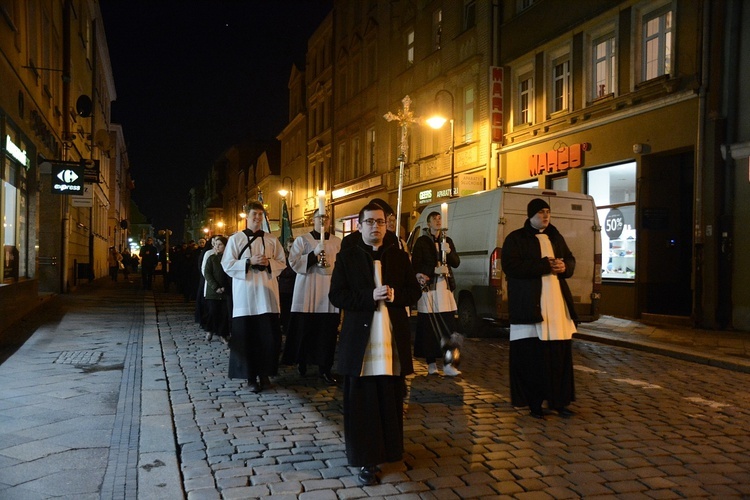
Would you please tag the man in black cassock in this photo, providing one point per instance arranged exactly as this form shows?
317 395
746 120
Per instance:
373 283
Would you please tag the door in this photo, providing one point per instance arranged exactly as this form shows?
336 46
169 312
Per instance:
665 245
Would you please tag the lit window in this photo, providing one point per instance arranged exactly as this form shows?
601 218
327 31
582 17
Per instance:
469 114
437 29
657 43
410 48
356 160
604 66
525 98
371 149
560 84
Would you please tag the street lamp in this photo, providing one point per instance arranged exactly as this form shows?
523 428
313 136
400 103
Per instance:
283 192
437 121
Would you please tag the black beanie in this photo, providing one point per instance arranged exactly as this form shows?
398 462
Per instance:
384 205
535 206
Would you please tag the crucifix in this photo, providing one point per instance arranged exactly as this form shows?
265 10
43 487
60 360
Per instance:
404 117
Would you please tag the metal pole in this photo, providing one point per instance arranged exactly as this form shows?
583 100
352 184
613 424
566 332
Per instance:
453 155
401 160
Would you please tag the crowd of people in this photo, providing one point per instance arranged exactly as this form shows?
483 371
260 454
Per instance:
348 302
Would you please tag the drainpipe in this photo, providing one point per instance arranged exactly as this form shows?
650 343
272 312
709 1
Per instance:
730 107
698 170
64 200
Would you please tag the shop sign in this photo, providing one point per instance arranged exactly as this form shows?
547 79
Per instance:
614 224
15 152
468 184
86 200
445 193
355 188
67 179
496 101
424 197
558 160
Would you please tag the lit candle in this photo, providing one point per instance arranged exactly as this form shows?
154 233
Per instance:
322 213
444 215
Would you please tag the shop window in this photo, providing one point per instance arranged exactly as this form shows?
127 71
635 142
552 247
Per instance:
613 190
10 230
559 183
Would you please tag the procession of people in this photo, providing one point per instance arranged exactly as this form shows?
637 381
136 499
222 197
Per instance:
323 301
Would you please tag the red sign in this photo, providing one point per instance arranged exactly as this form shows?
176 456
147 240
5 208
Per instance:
496 103
557 160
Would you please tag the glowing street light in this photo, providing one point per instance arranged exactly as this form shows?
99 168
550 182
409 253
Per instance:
437 121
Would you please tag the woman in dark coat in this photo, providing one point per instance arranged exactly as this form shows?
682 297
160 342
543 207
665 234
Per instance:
218 294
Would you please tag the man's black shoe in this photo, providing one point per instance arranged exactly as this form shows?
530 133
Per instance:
565 413
255 387
302 369
537 414
329 378
367 476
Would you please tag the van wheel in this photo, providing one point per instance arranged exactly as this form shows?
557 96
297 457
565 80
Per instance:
468 321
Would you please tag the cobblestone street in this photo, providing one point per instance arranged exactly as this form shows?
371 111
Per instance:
646 426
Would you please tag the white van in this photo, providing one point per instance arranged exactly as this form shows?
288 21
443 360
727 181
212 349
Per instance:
478 225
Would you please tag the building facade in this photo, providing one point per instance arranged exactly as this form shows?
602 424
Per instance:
623 101
412 59
65 185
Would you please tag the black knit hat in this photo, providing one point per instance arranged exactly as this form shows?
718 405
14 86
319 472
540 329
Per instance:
384 205
535 206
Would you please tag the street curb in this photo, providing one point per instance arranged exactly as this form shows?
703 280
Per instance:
664 349
158 470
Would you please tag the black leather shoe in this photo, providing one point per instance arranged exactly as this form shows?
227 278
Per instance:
537 414
265 382
255 387
565 413
329 378
367 476
302 369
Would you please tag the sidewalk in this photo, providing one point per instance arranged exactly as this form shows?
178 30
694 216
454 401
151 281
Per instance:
117 395
724 349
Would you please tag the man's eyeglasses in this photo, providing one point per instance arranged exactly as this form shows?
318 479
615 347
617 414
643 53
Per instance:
374 222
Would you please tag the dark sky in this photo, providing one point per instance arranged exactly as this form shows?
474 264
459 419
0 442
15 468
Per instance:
195 77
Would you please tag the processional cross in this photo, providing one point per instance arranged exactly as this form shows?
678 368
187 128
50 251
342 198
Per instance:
404 117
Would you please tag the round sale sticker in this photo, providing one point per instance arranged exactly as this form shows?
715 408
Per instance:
614 223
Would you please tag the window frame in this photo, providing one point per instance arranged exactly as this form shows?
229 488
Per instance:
521 73
409 39
469 112
561 102
469 14
609 60
642 15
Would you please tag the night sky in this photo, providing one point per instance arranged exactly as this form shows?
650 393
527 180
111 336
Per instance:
194 78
